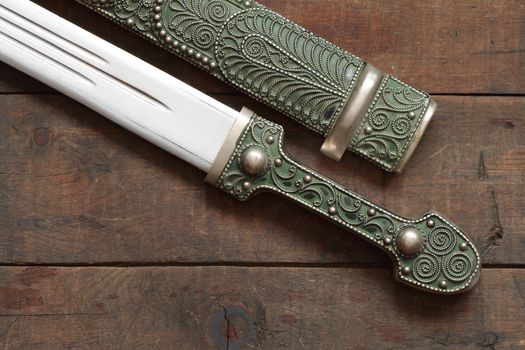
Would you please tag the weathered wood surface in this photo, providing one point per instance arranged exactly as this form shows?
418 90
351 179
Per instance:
443 46
251 308
76 188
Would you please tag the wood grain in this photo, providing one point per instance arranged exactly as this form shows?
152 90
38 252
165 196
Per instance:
74 188
182 266
251 308
441 46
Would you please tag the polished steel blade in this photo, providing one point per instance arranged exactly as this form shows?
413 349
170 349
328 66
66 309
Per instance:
116 84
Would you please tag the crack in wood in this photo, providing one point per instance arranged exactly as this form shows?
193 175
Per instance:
499 52
482 169
227 328
520 290
496 232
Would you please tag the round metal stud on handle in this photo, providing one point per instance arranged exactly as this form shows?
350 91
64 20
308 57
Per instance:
409 241
429 253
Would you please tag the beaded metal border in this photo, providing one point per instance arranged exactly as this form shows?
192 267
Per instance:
457 260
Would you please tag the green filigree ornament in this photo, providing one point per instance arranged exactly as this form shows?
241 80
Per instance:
429 253
390 123
281 64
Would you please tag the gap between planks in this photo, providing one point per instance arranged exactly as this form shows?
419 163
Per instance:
242 264
51 93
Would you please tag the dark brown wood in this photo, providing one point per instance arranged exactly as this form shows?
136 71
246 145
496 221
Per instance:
76 188
251 308
441 46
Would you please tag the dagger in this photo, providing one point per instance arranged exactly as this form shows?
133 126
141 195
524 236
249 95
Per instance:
241 153
350 102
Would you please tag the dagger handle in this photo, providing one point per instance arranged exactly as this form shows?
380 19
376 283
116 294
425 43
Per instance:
429 253
327 89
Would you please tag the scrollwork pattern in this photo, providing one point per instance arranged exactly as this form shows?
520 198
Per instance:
457 266
391 121
197 21
448 261
426 268
254 49
135 12
441 241
286 66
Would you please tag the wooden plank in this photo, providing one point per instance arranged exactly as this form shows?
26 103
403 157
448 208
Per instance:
14 81
444 46
245 308
75 188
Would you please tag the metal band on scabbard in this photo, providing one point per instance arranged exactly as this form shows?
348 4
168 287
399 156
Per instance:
383 121
289 68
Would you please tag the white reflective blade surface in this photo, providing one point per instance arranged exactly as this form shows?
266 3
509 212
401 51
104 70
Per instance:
123 88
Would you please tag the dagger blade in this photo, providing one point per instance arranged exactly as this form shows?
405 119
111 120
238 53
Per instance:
114 83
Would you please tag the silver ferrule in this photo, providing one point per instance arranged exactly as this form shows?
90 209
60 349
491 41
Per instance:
369 90
228 146
336 142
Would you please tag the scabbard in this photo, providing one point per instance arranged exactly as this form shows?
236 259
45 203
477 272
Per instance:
350 102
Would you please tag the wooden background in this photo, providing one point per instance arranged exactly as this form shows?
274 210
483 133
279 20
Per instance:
106 242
